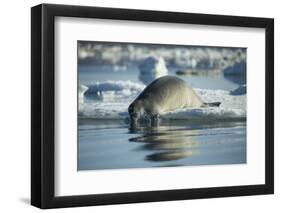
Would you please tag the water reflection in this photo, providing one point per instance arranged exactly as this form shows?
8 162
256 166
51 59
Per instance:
109 144
167 144
173 143
171 155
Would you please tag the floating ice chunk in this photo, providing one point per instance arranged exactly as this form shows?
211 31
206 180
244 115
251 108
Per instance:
110 90
152 68
206 113
236 69
117 68
117 95
81 90
241 90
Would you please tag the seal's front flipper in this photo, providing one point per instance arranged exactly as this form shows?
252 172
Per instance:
213 104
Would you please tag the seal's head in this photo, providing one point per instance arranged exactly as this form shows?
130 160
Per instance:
136 110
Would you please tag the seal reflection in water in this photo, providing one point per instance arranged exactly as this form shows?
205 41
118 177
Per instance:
170 145
164 94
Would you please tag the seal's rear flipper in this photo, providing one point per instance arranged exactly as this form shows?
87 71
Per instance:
213 104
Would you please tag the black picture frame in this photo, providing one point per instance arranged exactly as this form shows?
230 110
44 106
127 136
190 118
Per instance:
43 102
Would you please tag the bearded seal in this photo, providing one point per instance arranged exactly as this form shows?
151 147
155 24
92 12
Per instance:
165 94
